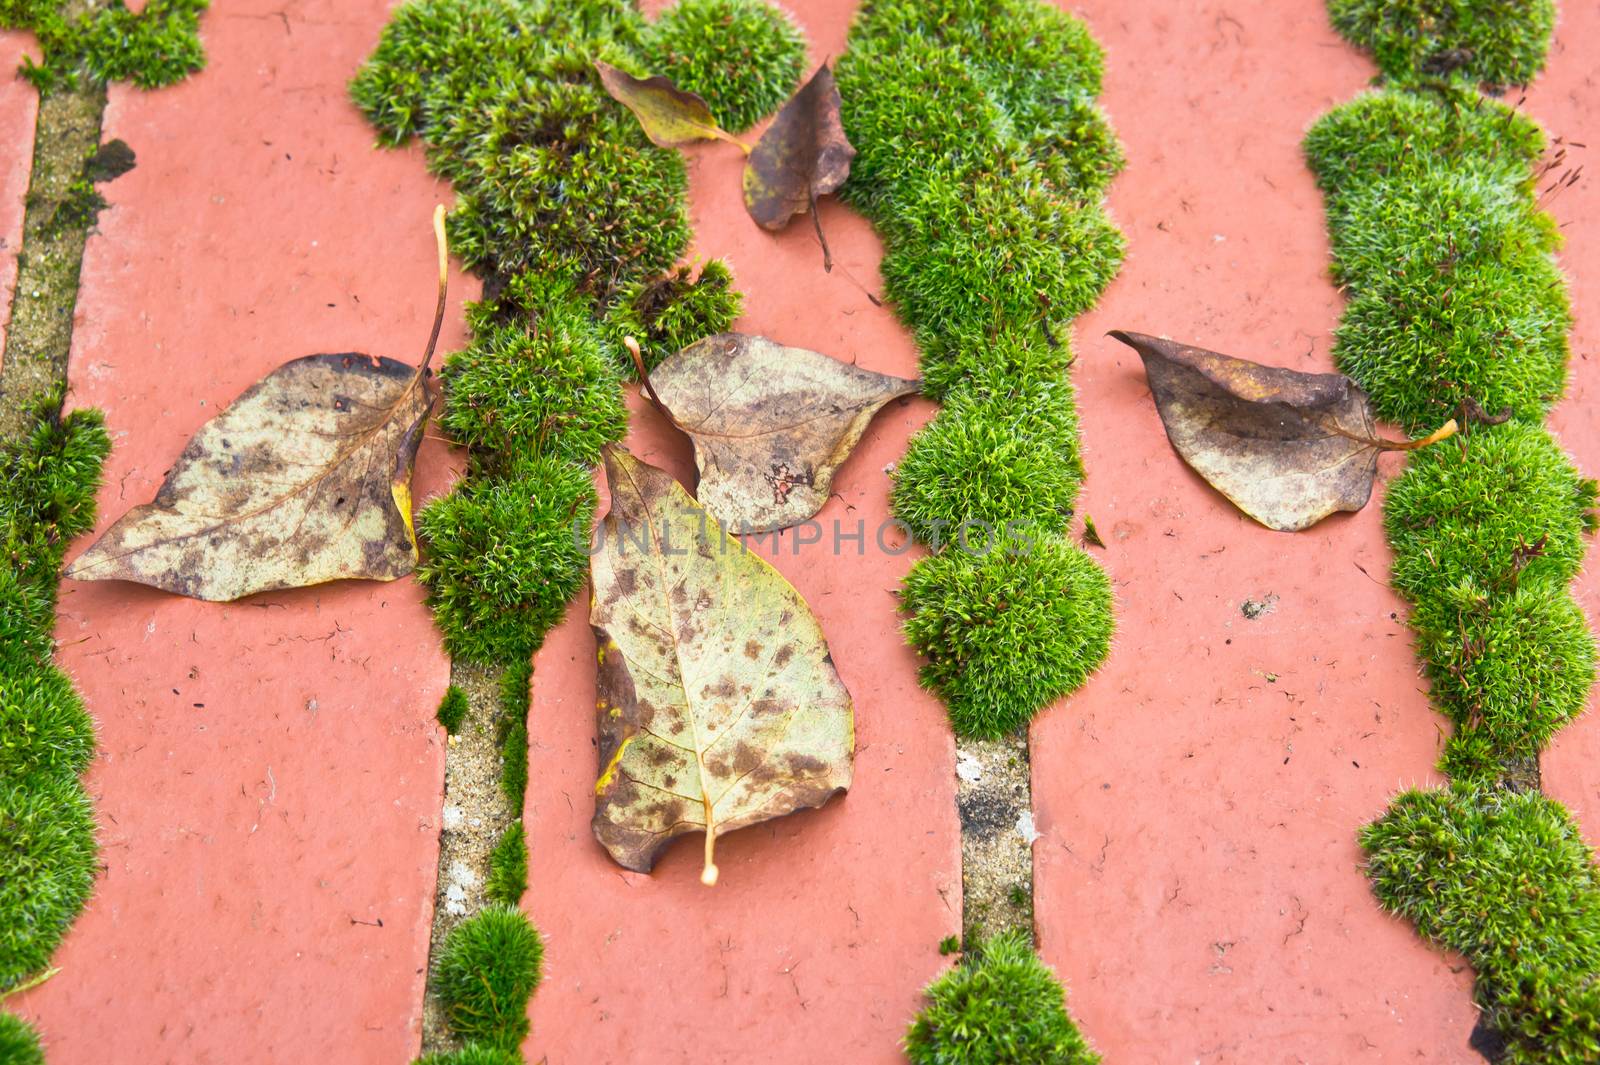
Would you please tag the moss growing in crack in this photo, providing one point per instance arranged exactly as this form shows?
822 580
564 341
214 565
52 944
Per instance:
992 459
1007 631
515 694
1000 1005
1504 878
155 47
472 1054
502 557
743 57
508 867
1510 668
668 313
452 709
532 383
19 1043
1501 507
485 973
1497 42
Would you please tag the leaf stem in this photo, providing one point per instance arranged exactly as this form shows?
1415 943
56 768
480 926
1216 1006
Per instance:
444 282
649 389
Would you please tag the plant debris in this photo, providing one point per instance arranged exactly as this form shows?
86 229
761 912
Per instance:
1287 448
304 478
717 701
669 116
803 155
770 424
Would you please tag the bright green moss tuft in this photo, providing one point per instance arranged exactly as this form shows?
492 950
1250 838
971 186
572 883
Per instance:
1505 878
503 557
47 865
533 384
989 461
452 709
1007 632
1510 668
1500 507
991 364
508 867
44 728
668 313
485 973
743 57
1000 1006
19 1043
472 1054
1497 42
156 47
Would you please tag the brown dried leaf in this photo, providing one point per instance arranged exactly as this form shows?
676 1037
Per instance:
669 116
1288 448
770 424
304 478
717 702
804 154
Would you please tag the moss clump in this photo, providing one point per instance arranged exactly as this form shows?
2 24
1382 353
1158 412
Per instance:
992 460
514 696
1497 42
668 313
743 57
1007 632
533 383
156 47
47 864
19 1044
44 728
508 867
1504 878
486 971
503 558
1000 1006
1502 507
452 709
1510 668
472 1054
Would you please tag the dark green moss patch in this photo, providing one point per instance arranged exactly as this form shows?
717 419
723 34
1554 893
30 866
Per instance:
1497 42
19 1044
452 709
514 698
1006 632
486 972
1000 1006
1504 878
508 867
743 57
668 313
156 47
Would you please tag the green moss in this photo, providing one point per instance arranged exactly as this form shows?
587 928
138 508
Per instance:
452 709
19 1043
1498 42
156 47
514 705
473 1054
533 383
1509 668
1000 1006
1007 632
992 363
508 867
992 460
666 314
1500 507
44 728
503 557
47 865
1504 878
743 57
485 973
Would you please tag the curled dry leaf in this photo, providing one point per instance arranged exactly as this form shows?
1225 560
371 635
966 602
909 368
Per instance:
804 154
770 424
669 116
304 478
1288 448
717 701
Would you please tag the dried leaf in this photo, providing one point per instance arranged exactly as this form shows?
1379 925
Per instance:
718 703
669 116
304 478
804 154
1288 448
770 424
